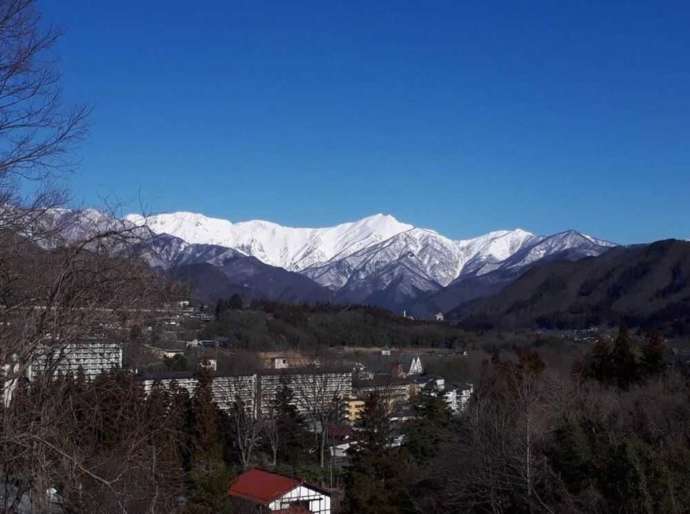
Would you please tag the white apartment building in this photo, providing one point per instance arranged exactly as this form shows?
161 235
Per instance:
91 357
314 390
226 390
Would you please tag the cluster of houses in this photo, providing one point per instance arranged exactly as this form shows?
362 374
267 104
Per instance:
316 387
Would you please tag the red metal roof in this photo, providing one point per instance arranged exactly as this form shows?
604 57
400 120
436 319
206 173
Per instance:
259 486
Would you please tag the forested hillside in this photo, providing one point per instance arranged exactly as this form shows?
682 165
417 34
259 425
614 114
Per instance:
646 286
269 324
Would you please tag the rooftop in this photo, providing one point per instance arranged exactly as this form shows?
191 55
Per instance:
262 487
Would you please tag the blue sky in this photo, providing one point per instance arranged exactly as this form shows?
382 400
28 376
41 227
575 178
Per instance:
461 116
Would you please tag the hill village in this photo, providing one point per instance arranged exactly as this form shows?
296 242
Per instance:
329 389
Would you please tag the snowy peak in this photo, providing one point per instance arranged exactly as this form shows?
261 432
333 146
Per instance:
432 258
189 226
570 244
375 259
288 247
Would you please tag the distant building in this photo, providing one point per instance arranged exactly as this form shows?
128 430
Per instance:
393 391
271 492
464 396
225 390
91 357
314 390
171 354
280 363
210 364
287 359
457 397
354 407
451 397
439 316
416 367
88 357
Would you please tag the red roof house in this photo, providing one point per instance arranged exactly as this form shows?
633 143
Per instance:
280 494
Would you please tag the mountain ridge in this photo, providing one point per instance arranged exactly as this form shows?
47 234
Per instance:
639 285
376 260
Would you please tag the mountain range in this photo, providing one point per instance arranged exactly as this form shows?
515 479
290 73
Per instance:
645 286
377 260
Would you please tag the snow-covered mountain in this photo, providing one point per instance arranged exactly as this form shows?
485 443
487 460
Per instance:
377 259
571 241
291 248
438 259
479 280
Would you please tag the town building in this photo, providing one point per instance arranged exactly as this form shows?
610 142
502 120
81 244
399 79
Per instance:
464 396
392 390
271 492
88 357
286 359
416 367
226 390
314 389
91 357
354 407
209 364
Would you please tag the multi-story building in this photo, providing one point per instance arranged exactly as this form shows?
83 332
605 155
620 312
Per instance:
314 389
90 357
392 390
226 390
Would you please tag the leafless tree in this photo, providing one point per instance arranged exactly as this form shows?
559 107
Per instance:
247 430
319 393
271 432
64 275
36 131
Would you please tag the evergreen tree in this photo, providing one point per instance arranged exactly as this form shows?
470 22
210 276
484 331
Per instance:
425 433
288 434
235 302
374 480
625 370
652 360
204 419
207 469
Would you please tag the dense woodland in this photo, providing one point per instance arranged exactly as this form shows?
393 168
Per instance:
611 435
263 325
646 286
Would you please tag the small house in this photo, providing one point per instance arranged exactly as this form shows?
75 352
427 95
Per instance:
271 492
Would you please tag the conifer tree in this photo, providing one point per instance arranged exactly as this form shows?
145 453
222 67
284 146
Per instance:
652 360
424 433
624 363
204 420
374 481
285 429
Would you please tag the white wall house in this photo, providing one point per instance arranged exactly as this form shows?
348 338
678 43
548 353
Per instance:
278 493
303 495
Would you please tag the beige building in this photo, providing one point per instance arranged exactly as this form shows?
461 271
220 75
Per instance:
354 407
